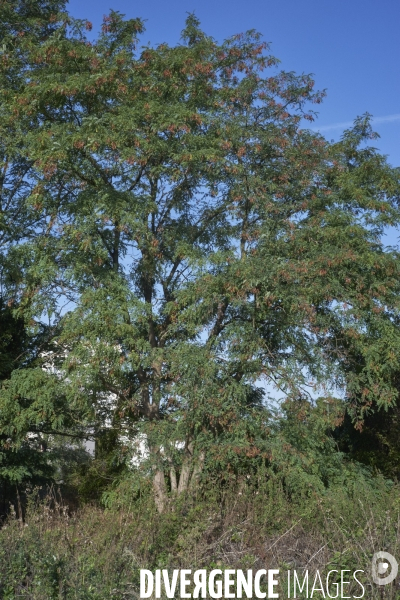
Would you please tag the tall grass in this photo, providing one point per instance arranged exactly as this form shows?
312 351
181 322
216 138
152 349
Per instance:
96 553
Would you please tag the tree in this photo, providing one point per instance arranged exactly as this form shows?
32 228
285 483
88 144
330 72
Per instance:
22 26
197 239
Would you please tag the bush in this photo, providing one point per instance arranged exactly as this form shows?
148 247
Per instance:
97 553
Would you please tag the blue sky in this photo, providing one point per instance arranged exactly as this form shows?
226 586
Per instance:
351 46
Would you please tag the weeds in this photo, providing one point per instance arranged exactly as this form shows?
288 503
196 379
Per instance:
95 554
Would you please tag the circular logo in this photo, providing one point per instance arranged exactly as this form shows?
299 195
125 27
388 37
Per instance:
381 561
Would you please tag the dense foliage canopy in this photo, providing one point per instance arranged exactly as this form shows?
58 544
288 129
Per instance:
180 246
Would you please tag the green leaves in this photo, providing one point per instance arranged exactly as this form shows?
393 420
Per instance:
186 239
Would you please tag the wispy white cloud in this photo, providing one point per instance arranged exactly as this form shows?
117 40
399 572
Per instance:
346 124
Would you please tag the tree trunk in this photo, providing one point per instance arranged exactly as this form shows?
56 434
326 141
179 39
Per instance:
160 491
172 476
197 471
185 475
188 479
186 468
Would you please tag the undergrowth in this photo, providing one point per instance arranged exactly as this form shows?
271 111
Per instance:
96 553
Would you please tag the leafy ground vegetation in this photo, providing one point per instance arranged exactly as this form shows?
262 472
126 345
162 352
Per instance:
187 270
97 553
